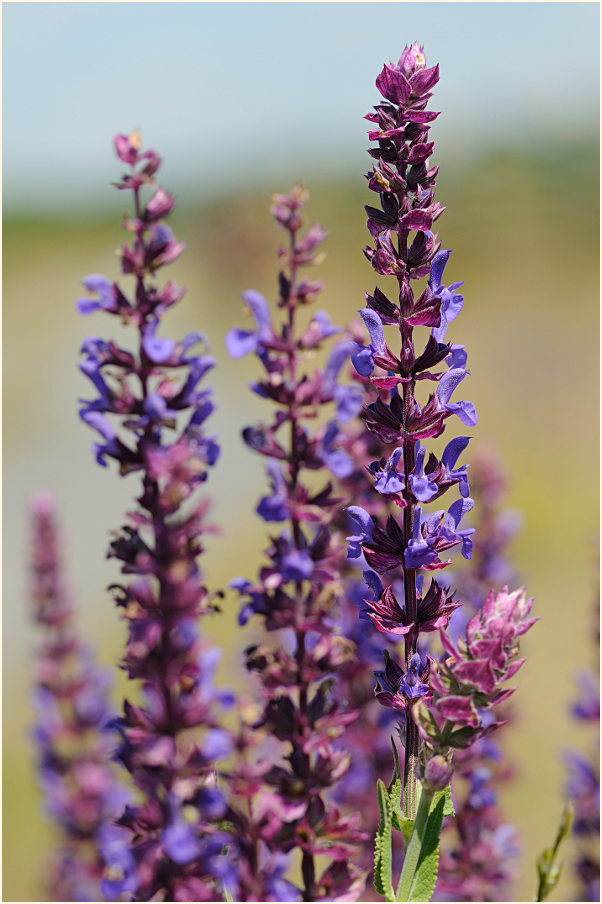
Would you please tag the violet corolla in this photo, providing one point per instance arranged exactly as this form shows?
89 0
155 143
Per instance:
150 414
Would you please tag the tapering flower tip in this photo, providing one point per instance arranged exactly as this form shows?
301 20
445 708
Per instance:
285 208
436 774
412 59
42 504
505 614
127 147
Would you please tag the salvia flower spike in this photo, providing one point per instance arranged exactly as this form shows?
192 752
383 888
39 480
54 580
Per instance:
150 414
296 592
441 707
406 249
82 795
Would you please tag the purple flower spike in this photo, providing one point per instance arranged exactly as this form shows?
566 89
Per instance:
74 748
293 762
153 399
405 246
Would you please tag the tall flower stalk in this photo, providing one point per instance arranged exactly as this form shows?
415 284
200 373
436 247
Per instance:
150 415
406 248
82 795
443 706
296 592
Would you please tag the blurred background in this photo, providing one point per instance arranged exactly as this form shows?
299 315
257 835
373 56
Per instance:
243 100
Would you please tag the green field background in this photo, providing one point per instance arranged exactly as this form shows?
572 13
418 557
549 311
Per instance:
524 226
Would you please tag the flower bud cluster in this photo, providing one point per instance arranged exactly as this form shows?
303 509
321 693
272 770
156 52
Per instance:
296 591
81 792
150 414
470 681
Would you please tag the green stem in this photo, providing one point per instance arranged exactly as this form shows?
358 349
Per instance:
412 854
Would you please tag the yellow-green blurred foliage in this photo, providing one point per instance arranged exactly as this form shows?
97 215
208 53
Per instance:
525 233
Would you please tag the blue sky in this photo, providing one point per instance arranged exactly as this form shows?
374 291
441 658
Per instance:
245 93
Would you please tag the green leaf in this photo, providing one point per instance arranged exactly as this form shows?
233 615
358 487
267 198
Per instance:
395 800
448 806
425 876
548 871
383 858
397 772
419 873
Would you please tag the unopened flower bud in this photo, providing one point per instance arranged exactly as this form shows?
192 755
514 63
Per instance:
437 773
412 60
